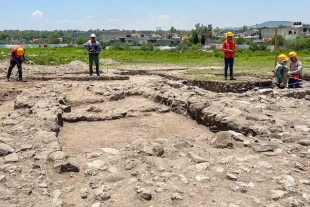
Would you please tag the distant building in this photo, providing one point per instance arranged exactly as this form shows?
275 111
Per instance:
77 34
296 31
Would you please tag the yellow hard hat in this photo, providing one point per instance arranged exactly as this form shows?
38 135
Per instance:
20 51
229 34
282 57
292 54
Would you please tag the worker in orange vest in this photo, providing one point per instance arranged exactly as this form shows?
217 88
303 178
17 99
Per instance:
17 58
295 71
229 49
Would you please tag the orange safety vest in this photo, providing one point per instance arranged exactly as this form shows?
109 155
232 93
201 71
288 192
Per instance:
230 46
296 76
14 49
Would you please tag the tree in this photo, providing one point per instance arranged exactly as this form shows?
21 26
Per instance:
81 40
54 38
280 40
173 30
210 27
196 39
203 40
245 28
241 40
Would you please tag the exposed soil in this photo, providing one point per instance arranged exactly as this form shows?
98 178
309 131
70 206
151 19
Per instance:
150 138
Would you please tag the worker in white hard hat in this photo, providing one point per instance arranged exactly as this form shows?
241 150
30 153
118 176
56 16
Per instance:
94 49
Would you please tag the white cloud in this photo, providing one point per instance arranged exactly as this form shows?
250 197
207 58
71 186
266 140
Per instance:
36 15
90 17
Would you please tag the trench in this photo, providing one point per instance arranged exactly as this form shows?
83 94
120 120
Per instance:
215 86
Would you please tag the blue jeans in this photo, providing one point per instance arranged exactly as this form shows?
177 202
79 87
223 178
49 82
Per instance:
229 62
293 83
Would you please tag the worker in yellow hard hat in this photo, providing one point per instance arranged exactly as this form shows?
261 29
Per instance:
17 58
281 71
295 71
229 49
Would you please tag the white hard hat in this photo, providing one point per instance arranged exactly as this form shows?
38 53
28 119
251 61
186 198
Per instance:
92 35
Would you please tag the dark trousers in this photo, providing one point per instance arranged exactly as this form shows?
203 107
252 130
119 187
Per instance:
92 59
278 85
229 62
20 72
293 83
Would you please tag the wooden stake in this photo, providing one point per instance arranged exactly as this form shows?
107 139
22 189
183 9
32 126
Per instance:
276 47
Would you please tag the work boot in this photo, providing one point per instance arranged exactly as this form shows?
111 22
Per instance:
90 74
232 78
225 78
98 74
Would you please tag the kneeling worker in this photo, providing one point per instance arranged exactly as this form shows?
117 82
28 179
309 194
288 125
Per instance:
17 58
295 72
281 71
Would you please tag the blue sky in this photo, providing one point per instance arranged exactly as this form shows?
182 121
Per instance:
146 14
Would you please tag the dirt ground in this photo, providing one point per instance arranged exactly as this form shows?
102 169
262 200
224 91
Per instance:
130 139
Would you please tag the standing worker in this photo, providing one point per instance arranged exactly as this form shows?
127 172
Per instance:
229 49
17 58
295 71
281 72
94 49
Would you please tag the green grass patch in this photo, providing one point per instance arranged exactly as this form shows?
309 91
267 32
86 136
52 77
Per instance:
259 61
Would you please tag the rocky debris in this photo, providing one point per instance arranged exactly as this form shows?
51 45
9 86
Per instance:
197 158
11 158
202 166
57 156
231 176
94 167
277 194
2 178
265 91
131 164
176 197
56 198
180 165
304 142
114 177
68 166
222 140
98 204
143 193
5 149
110 151
84 193
102 193
299 166
158 150
263 148
94 109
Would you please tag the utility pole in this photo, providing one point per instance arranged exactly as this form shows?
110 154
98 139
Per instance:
275 46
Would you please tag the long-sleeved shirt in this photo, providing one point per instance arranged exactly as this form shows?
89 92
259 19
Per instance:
281 73
227 46
94 48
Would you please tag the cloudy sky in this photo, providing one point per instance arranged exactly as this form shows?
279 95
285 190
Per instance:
145 14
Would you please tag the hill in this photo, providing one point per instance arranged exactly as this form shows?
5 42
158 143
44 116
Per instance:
265 24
